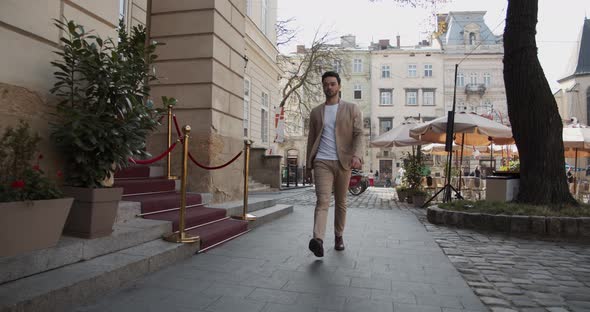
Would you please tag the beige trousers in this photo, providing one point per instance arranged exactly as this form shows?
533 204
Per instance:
329 175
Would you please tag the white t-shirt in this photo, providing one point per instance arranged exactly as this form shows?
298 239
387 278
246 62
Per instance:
327 148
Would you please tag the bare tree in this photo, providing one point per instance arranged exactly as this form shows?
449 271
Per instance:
301 80
285 34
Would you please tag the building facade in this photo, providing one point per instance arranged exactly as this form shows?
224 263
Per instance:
467 41
353 64
29 39
573 96
211 49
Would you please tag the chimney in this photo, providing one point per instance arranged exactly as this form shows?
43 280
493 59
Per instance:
383 44
397 38
301 49
348 41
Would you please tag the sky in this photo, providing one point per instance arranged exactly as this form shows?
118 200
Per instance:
560 22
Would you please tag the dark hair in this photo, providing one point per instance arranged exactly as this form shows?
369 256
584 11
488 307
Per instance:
331 74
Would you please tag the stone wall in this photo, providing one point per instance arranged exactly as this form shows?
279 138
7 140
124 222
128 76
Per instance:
265 169
201 65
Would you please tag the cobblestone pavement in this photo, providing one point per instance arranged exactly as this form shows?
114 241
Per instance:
507 273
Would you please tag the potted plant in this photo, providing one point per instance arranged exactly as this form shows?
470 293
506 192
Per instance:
412 175
102 119
32 207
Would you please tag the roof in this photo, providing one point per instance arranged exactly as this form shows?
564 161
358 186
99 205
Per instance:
456 22
579 63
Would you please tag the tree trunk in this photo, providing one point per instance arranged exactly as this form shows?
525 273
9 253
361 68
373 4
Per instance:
536 123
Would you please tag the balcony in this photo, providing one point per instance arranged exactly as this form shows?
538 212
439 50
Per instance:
475 88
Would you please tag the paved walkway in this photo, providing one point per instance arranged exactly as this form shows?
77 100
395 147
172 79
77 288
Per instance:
395 261
391 263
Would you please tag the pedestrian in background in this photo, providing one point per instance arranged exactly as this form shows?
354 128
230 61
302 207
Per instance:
334 147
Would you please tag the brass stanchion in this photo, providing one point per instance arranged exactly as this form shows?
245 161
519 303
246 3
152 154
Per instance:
181 236
168 158
245 215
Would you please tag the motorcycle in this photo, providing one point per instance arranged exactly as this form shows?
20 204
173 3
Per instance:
358 183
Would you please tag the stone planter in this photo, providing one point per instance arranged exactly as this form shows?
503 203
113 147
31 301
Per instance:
30 225
93 212
555 227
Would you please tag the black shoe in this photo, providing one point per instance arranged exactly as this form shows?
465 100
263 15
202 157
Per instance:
316 246
339 245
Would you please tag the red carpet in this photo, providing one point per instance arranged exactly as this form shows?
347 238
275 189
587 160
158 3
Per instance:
158 194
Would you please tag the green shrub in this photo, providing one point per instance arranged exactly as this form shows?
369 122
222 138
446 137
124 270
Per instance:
103 118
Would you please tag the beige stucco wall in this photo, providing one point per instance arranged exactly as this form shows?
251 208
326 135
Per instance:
29 39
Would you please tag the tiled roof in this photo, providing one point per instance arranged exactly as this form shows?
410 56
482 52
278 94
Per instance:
579 63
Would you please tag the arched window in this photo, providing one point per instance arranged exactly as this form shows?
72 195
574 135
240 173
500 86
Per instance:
471 38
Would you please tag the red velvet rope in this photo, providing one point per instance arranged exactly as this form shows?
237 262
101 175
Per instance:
153 160
177 128
216 167
193 159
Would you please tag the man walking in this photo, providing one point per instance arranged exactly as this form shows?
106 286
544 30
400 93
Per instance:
334 147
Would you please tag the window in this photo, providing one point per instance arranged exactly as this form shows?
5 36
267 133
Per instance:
385 125
427 70
411 97
385 97
358 91
385 73
357 66
264 12
412 71
487 79
264 117
122 9
460 80
249 7
473 78
428 97
471 38
337 66
246 106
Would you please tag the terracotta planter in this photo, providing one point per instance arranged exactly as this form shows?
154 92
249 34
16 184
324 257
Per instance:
30 225
93 212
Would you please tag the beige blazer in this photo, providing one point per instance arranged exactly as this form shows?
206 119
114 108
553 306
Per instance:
349 133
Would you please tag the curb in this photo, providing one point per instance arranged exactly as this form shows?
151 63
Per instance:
554 227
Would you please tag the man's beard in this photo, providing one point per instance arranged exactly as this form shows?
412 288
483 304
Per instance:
330 95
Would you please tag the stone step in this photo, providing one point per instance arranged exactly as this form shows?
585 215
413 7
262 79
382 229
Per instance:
265 188
234 208
269 214
65 288
72 249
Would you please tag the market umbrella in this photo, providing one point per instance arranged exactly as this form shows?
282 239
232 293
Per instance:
474 129
439 149
398 136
